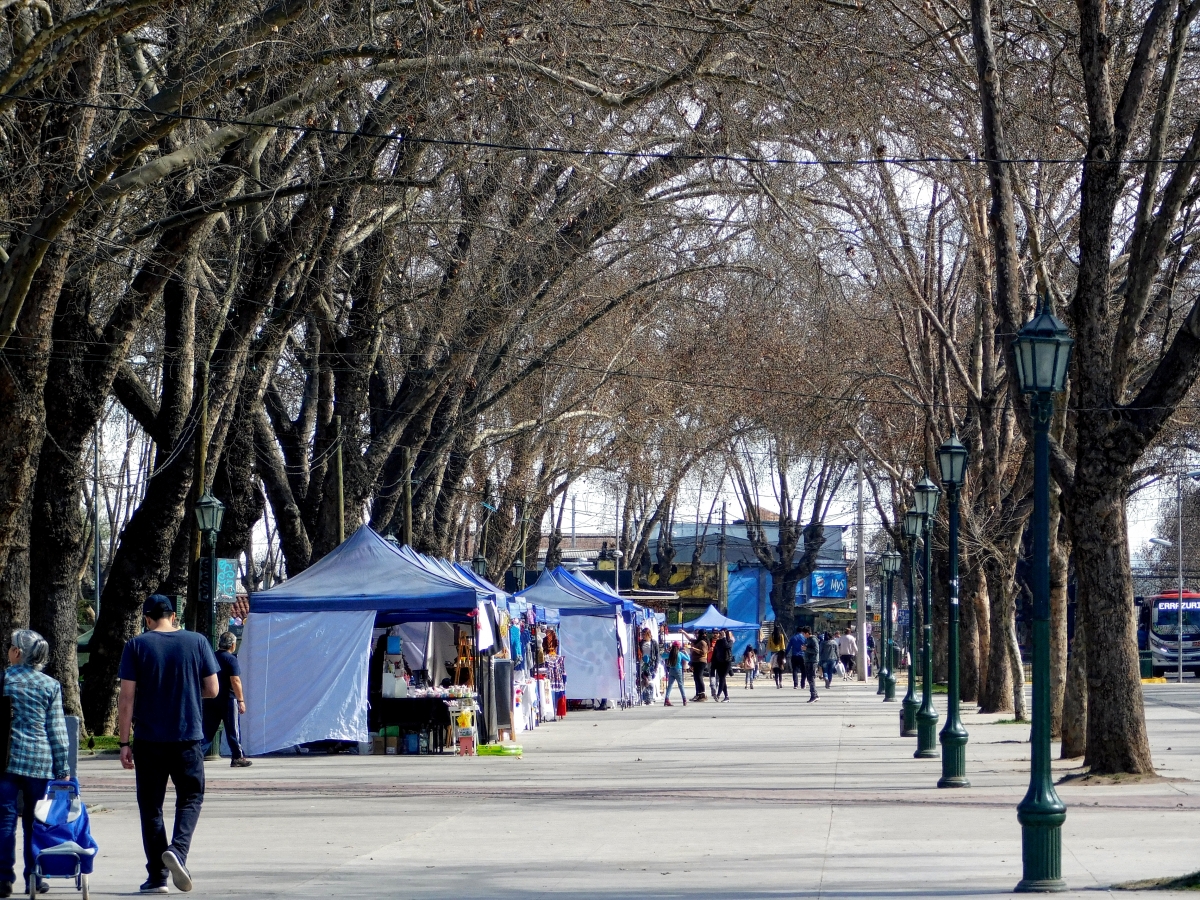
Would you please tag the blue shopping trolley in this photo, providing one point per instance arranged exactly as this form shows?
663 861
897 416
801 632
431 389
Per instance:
63 846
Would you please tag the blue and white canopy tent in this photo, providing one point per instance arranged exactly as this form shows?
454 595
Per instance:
711 619
307 641
590 633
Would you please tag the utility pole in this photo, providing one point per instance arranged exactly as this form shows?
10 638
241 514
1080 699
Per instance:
722 572
617 548
96 522
407 463
860 663
337 424
572 521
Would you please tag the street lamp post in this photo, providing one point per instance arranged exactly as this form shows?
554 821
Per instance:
890 562
908 707
210 513
952 461
927 494
881 667
1043 350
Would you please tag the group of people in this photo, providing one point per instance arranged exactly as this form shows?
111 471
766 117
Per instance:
174 691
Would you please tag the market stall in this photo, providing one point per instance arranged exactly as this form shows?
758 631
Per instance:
308 641
591 635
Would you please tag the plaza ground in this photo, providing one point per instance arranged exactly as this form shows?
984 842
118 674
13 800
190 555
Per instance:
764 796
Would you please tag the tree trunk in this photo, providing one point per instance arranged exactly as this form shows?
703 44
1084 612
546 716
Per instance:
983 627
997 695
1060 550
968 689
1075 701
941 614
1116 723
1016 666
14 586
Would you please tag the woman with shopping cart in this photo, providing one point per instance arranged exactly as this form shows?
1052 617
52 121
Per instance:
37 750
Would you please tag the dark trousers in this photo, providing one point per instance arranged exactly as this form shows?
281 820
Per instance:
220 710
154 763
722 683
799 673
698 677
18 794
810 672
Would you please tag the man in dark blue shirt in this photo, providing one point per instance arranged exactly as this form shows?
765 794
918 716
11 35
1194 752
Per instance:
229 701
164 674
796 652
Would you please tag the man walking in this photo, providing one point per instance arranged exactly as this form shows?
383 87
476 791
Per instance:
796 653
848 650
165 672
812 651
229 702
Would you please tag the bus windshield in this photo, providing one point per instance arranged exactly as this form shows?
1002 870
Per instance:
1166 617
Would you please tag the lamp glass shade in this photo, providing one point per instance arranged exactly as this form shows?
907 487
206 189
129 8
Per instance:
952 460
479 564
889 561
912 523
927 494
210 513
1043 352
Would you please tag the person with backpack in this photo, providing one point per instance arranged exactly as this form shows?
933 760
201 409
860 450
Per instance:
675 673
37 750
829 657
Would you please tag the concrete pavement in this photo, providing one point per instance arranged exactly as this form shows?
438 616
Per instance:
766 796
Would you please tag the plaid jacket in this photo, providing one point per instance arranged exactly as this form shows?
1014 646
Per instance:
38 748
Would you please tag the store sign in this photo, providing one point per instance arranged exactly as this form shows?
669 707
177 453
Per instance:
227 580
828 583
1174 604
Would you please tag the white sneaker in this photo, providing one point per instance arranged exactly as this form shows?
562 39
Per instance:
179 873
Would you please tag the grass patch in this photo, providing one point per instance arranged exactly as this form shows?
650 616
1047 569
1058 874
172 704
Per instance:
1182 883
1010 722
101 743
941 689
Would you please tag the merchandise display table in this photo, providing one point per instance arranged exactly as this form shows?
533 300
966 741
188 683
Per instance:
428 715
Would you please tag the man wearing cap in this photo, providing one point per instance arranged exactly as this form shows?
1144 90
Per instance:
165 672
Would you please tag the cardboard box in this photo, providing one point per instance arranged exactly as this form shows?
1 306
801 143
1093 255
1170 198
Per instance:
377 745
391 745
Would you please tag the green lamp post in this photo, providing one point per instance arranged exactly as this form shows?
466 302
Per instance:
210 514
952 461
927 494
908 707
1043 351
890 563
881 667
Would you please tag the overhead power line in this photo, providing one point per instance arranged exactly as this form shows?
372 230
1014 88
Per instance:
744 159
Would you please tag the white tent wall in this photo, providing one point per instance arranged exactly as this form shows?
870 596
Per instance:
589 645
305 678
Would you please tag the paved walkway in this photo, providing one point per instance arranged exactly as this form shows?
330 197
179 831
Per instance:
766 796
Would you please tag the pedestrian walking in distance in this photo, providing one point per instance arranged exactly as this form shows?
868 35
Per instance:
699 661
165 673
777 647
829 657
229 703
848 650
722 659
37 750
796 653
750 664
675 673
812 651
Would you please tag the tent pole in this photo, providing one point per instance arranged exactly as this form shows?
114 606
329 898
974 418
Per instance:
341 486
